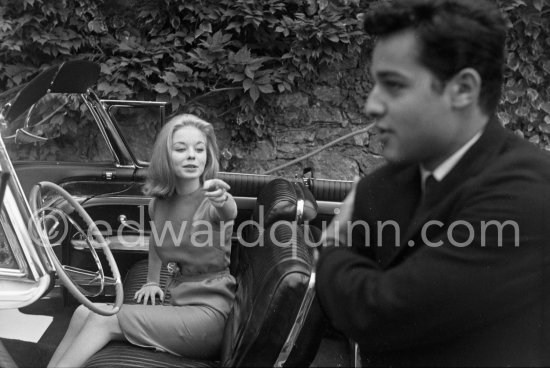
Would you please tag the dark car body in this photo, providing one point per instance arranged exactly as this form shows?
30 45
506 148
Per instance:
56 129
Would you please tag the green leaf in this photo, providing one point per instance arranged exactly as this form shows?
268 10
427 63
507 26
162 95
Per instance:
104 87
504 117
206 27
243 55
249 72
170 78
97 26
234 25
183 68
546 107
254 93
247 84
266 88
161 88
533 94
106 69
173 91
236 77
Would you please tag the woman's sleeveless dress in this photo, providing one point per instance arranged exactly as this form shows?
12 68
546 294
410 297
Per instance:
202 292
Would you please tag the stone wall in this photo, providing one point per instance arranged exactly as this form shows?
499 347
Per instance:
310 117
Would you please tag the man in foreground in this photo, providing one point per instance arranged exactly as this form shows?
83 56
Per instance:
442 257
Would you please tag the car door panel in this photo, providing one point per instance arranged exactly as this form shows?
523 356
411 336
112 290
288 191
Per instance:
77 178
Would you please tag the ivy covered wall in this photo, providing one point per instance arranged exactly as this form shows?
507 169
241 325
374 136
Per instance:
277 77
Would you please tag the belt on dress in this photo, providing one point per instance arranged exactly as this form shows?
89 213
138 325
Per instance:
174 270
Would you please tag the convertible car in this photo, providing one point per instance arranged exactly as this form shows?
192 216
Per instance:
74 229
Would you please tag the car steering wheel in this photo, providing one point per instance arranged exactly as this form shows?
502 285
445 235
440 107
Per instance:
48 213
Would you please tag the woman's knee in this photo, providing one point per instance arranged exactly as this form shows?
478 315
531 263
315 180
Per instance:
81 313
107 324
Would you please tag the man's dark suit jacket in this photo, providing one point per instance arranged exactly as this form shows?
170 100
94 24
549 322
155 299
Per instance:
462 297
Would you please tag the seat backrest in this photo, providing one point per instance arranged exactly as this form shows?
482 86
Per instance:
273 271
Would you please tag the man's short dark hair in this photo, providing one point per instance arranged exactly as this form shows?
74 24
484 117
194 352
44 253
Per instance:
453 35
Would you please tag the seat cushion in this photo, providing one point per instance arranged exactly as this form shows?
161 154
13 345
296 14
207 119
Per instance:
121 354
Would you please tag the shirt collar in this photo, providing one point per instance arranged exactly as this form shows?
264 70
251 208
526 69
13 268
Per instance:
446 166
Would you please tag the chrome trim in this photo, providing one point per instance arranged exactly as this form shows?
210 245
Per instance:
301 316
300 210
11 273
21 229
302 313
245 203
326 207
19 293
97 276
245 174
124 166
132 103
332 180
15 294
356 353
248 203
112 200
107 105
89 101
123 220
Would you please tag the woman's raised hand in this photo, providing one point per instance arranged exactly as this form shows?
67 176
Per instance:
216 191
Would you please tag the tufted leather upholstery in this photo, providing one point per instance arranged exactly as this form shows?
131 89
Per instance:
137 277
271 280
278 201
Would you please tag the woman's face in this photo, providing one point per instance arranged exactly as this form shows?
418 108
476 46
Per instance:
188 153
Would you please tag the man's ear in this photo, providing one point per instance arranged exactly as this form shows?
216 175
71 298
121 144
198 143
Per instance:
465 87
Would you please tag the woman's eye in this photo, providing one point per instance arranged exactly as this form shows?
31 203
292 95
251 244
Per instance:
200 150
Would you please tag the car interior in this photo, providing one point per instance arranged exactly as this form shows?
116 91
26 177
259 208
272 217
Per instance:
90 233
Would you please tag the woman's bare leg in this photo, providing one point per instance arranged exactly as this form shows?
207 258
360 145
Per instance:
94 333
77 322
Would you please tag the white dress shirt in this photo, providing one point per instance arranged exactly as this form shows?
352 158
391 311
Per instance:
446 166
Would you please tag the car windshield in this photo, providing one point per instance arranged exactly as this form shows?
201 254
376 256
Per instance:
58 127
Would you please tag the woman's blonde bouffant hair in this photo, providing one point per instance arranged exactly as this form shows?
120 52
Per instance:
161 180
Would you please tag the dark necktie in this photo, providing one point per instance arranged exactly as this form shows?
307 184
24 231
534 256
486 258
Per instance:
429 185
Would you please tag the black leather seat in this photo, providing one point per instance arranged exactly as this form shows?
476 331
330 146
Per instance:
272 282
